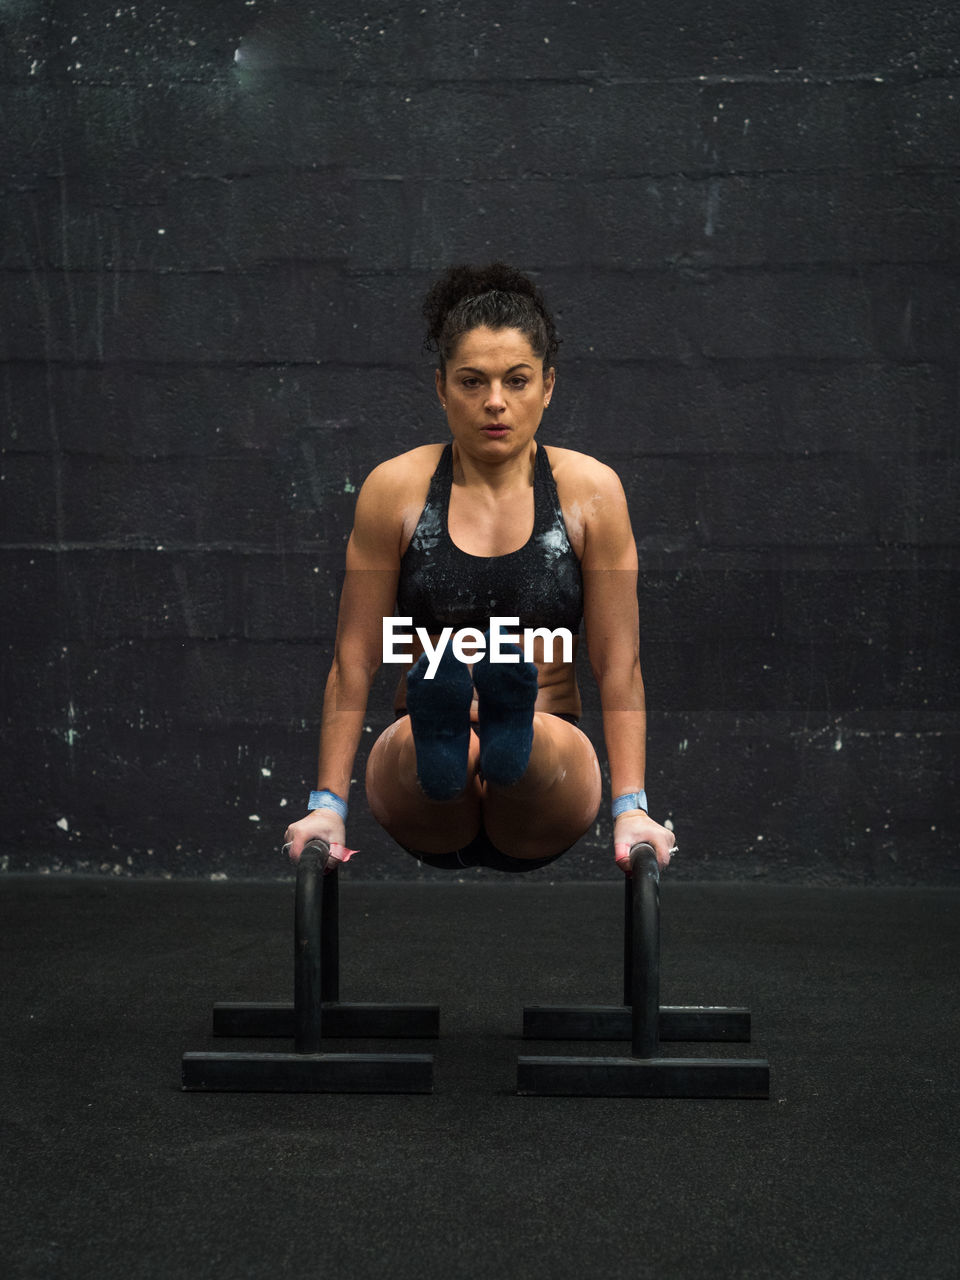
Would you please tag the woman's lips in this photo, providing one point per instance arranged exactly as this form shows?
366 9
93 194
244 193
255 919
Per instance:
495 429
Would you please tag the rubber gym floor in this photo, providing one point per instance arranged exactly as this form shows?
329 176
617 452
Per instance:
850 1169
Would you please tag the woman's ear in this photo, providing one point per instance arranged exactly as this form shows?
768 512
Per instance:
441 388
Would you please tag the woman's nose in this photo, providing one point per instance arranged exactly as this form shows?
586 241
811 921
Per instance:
495 398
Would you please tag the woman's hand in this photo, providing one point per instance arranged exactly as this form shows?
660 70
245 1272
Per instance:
637 827
321 824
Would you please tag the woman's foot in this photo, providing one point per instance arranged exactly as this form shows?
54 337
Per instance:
506 694
440 718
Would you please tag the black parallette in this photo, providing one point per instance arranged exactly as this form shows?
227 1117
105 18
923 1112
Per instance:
641 1020
316 1012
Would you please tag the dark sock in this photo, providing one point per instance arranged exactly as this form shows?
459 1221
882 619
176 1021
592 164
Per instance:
506 693
440 718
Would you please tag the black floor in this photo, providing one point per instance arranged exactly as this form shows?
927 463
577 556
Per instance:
109 1170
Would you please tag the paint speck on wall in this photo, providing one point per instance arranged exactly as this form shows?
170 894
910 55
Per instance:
713 202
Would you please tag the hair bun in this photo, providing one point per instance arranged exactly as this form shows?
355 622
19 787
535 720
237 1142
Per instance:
463 282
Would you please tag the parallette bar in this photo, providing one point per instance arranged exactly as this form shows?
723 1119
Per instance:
615 1022
315 1012
647 1073
640 1078
307 1072
344 1021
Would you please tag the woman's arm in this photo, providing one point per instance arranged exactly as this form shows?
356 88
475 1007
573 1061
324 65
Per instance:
611 618
368 595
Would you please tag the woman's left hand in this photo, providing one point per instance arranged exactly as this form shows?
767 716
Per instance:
637 827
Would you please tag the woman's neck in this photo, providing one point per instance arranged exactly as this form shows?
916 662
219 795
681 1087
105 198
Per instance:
500 475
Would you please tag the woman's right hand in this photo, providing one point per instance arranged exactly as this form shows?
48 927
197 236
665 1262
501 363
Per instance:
320 824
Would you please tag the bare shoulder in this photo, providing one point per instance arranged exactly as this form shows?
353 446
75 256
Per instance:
587 488
583 477
594 508
395 474
392 496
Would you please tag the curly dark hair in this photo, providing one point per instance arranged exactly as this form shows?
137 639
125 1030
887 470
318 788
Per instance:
497 296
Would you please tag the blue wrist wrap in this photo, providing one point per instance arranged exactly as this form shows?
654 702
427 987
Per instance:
328 800
629 800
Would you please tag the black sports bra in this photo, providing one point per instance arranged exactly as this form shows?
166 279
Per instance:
442 586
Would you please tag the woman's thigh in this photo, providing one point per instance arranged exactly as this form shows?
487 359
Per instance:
540 816
400 806
557 799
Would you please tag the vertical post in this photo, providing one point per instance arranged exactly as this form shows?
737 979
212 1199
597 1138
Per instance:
645 962
330 937
307 948
628 940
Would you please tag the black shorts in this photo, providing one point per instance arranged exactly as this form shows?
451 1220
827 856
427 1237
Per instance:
481 851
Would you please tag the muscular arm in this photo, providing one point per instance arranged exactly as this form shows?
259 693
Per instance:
369 593
612 624
609 566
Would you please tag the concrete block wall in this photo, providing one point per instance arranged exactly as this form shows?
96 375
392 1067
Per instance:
216 224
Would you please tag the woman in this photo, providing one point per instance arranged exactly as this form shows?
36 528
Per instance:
485 764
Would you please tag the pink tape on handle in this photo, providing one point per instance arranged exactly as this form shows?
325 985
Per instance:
621 854
341 852
338 852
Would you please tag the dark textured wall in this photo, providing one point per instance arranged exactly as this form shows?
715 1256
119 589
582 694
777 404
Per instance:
217 221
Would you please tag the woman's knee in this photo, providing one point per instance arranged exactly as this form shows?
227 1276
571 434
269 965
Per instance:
544 816
573 778
399 805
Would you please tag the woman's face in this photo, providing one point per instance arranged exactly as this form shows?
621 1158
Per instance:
494 392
